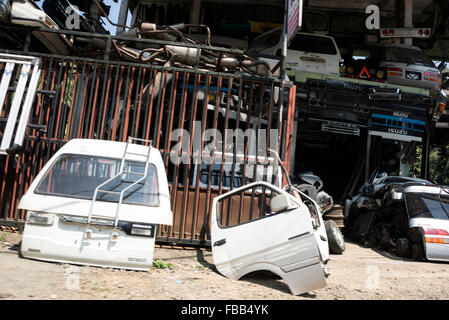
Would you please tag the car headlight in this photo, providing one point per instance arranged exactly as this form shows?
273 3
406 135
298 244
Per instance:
143 230
43 219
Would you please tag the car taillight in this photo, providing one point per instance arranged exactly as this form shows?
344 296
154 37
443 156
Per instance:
436 232
437 240
426 32
394 72
431 76
391 32
434 236
384 32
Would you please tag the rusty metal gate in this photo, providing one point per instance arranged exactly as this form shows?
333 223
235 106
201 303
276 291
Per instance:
88 98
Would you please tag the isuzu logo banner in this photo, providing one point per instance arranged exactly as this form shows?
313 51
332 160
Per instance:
400 126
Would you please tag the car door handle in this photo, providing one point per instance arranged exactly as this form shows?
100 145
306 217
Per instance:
219 242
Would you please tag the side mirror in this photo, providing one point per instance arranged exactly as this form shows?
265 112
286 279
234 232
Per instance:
280 203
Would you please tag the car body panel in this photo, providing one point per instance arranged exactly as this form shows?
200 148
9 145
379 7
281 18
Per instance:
413 73
283 243
433 251
69 238
305 61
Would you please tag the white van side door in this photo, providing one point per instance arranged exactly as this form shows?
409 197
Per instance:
270 230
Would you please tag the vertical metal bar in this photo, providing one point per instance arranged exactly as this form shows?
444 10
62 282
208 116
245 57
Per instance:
26 109
225 143
117 107
84 130
129 89
55 112
104 103
13 113
289 128
211 165
170 119
368 157
159 108
4 84
195 163
61 101
138 101
425 156
200 162
81 108
237 126
150 99
94 106
174 190
72 105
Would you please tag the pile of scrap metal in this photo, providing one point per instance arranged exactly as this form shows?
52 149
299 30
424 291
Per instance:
27 13
181 50
332 214
185 51
399 215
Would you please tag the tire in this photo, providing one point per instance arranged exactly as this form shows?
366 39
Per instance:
334 237
417 251
415 235
402 248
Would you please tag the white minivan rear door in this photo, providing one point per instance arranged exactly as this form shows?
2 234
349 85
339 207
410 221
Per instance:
313 53
261 227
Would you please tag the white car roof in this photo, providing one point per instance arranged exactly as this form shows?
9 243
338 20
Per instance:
107 149
425 189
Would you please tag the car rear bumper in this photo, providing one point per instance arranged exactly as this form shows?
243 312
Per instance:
68 243
437 252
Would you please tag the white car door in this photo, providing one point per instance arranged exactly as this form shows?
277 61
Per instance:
253 230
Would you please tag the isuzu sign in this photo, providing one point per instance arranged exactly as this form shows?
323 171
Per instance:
397 125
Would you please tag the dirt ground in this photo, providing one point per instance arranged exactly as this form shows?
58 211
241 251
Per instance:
359 273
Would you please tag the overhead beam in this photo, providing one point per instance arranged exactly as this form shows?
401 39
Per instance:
123 14
408 19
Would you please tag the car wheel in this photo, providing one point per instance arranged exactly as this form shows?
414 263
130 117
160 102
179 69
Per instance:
417 251
335 237
403 247
415 235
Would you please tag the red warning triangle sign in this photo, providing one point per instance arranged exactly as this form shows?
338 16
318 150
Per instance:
364 71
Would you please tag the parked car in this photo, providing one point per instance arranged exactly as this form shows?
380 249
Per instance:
306 52
97 203
409 66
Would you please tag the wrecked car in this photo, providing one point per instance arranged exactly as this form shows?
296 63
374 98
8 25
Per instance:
97 203
428 211
405 216
272 229
306 52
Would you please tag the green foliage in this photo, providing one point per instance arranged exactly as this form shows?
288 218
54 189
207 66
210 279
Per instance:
159 264
439 164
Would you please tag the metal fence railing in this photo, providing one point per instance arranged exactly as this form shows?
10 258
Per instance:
112 100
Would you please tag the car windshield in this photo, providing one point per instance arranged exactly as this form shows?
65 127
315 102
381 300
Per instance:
267 41
312 43
77 176
422 205
406 56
